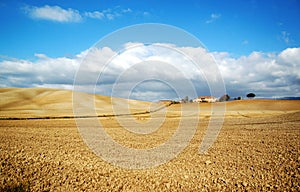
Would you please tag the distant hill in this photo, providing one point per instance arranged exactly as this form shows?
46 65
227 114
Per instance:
288 98
16 103
45 102
271 98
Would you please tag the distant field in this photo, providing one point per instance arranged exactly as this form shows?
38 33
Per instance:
257 149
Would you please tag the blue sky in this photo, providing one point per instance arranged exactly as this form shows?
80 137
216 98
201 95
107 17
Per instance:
65 29
237 27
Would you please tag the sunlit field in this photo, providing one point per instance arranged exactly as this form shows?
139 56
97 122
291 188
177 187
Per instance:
41 149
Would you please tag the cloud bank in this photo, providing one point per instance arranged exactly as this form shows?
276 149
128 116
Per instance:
151 72
266 74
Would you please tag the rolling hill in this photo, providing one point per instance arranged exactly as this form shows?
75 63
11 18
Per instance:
57 103
45 102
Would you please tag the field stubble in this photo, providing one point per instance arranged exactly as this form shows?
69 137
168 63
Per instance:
250 153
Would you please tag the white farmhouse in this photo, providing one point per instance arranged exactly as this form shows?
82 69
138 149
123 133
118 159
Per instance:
207 99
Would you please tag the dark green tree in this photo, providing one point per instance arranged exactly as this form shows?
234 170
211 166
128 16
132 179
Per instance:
250 95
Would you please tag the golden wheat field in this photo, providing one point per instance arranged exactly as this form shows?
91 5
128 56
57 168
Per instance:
41 149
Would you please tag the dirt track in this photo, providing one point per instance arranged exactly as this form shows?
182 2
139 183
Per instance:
251 153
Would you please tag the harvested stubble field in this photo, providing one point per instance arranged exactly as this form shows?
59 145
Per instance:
258 149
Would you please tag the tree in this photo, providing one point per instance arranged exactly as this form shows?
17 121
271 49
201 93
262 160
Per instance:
225 97
237 98
250 95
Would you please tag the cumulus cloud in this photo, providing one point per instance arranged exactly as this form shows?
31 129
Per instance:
53 13
266 74
40 73
159 71
121 72
290 56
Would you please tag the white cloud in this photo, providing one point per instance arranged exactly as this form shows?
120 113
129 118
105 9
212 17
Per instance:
40 56
266 74
290 56
95 15
58 14
146 13
109 14
213 17
138 63
44 71
128 10
154 71
53 13
285 36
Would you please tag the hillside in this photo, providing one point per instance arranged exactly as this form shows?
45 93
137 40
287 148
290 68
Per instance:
241 108
45 102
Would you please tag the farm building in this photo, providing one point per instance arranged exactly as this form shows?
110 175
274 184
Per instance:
207 99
